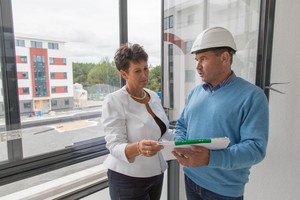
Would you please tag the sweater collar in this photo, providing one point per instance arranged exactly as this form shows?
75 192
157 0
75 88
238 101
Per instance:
230 79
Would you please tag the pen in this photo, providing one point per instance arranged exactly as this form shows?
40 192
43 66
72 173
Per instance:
192 141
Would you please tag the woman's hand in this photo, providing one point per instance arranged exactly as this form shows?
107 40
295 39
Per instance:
149 148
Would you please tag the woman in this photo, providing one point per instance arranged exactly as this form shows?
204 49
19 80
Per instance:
134 121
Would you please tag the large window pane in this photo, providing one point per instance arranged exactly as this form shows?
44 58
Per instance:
189 19
70 69
80 41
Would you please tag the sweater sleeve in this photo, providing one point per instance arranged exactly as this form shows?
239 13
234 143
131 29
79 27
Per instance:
251 148
114 122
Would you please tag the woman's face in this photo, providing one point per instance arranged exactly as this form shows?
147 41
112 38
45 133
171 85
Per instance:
137 76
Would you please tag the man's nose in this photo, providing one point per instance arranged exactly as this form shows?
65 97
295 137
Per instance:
199 66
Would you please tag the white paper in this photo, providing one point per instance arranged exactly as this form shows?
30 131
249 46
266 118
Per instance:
216 144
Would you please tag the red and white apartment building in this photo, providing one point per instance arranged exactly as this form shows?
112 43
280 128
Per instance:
45 78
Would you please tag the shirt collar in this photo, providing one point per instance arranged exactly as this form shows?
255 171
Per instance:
230 79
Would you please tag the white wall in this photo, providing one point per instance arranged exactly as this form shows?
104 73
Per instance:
278 176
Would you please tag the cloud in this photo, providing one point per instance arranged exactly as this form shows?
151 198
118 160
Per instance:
90 27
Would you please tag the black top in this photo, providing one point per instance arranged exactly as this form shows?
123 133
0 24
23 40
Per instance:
161 125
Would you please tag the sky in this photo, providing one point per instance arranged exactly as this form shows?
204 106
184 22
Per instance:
91 27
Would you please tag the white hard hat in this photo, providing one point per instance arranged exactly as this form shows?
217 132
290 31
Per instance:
213 37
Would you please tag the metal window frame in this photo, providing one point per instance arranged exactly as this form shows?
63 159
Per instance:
47 162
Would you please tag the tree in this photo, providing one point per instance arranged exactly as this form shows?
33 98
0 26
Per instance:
80 73
104 73
89 74
155 79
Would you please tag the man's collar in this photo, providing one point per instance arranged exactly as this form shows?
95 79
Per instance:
230 79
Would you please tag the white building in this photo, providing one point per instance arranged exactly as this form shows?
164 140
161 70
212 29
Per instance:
45 78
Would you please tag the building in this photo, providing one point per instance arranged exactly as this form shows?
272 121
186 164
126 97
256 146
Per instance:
44 71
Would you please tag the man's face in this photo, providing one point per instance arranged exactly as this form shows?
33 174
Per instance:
210 67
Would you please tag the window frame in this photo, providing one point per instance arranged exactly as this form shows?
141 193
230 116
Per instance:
88 149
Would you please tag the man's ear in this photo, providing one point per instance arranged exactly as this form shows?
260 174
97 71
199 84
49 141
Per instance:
123 74
225 57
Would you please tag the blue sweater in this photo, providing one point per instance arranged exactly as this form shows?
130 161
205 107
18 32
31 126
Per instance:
238 111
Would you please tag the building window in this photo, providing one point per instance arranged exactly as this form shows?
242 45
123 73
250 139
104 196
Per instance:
53 89
52 75
171 22
24 74
35 44
53 102
20 43
190 76
26 90
64 61
66 88
51 60
23 59
52 45
65 74
188 46
27 105
166 23
191 19
66 101
38 59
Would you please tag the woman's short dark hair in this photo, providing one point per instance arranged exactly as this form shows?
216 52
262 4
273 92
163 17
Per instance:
129 53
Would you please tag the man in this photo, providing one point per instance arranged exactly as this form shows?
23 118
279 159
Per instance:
224 105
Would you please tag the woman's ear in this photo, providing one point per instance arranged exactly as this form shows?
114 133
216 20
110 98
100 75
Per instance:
123 74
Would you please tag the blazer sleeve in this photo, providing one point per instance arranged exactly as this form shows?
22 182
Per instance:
114 122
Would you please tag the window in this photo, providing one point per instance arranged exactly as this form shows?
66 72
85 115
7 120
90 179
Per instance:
24 74
41 35
166 23
35 44
53 102
52 75
188 46
26 90
53 89
52 45
191 19
20 43
27 105
194 16
51 60
171 21
39 59
23 59
66 101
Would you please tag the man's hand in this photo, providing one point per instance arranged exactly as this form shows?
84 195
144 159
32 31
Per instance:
196 156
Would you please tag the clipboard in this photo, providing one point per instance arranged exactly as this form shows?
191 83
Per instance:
211 143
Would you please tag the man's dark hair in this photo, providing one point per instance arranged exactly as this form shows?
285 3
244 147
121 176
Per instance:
129 53
218 51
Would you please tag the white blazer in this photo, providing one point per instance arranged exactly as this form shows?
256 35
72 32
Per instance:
126 121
